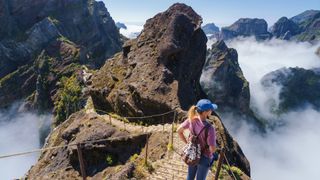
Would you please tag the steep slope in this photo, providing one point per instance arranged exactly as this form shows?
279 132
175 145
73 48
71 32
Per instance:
43 41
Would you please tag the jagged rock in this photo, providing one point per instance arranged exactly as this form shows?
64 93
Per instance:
246 27
299 87
222 78
285 28
210 28
152 75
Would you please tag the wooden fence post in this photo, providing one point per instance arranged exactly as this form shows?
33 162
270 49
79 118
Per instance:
172 127
82 167
220 161
110 120
162 123
146 157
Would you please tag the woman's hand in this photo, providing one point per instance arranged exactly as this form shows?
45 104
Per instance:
212 149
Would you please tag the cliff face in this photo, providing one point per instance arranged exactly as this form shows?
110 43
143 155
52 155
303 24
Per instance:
223 80
84 22
246 27
43 41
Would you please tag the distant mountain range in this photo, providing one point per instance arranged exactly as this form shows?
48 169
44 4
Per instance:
302 27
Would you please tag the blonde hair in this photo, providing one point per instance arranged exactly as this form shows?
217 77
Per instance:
192 112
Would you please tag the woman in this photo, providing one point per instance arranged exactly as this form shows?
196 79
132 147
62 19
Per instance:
197 119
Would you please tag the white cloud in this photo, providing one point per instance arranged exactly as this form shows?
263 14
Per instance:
256 59
19 132
132 31
289 151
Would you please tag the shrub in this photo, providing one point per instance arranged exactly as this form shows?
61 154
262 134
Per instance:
109 159
69 96
134 157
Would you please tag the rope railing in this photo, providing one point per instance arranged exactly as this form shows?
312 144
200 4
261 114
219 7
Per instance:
64 146
139 117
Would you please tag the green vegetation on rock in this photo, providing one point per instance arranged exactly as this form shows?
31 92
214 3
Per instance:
69 98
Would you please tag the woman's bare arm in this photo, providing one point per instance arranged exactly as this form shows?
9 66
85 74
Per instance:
181 135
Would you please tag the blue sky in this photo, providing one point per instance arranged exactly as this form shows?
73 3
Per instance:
223 12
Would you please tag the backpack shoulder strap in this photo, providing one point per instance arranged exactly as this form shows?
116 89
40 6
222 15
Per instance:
206 137
205 127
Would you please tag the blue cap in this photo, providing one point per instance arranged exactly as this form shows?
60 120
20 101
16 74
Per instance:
206 104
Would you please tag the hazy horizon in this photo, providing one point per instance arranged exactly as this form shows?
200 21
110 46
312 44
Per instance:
222 13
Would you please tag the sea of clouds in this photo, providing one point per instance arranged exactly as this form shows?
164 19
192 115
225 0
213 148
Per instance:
289 151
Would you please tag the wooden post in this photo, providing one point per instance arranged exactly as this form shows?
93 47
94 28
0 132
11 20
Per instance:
171 138
82 167
146 158
220 161
162 123
172 127
110 120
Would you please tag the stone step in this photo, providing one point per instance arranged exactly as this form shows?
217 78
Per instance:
170 174
156 176
174 169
